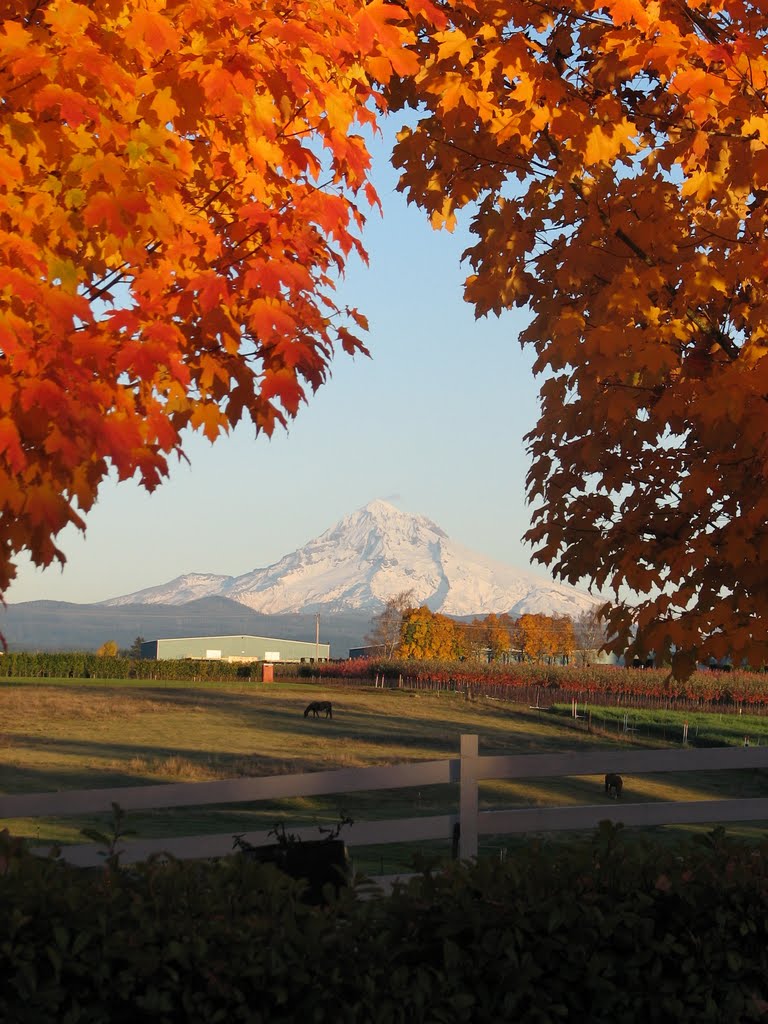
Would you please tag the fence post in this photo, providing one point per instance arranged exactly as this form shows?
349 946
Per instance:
468 805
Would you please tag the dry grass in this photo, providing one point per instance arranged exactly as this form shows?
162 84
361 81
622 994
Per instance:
58 737
63 738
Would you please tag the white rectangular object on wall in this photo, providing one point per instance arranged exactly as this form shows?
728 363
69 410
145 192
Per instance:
213 654
271 655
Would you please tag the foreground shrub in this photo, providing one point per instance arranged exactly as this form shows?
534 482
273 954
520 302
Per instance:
605 930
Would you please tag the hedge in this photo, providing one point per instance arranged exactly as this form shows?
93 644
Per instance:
83 665
609 930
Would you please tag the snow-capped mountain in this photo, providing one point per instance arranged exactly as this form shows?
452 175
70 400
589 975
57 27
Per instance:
182 590
366 558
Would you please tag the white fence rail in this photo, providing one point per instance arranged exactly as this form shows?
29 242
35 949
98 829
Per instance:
468 770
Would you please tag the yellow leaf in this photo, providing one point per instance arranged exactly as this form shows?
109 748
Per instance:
444 217
65 272
165 106
455 43
606 141
701 184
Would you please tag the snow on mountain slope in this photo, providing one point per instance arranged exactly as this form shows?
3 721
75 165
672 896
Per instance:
182 590
367 557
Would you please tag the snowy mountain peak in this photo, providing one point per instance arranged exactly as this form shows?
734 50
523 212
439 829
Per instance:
379 532
381 515
368 556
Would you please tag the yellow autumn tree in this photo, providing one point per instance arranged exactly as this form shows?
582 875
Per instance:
612 160
546 638
565 638
534 637
428 635
497 636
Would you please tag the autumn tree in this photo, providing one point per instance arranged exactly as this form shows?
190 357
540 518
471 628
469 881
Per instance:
533 636
181 184
497 636
565 638
612 157
109 649
386 625
545 638
426 634
473 639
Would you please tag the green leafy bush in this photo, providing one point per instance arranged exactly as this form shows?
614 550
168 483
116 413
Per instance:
603 931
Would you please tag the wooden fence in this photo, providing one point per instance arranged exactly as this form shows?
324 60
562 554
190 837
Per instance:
467 770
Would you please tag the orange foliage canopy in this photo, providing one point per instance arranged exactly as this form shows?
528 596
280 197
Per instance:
180 184
614 158
179 188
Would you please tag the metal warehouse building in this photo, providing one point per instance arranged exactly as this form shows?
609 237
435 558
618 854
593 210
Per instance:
235 648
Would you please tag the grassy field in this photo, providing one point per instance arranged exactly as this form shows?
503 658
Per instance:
705 728
62 735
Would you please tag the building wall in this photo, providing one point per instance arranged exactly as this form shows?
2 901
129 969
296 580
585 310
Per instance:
149 649
235 648
370 651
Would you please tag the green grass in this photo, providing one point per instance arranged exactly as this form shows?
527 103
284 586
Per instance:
705 728
64 734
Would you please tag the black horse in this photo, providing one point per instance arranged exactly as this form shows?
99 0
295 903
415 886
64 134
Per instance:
614 785
317 706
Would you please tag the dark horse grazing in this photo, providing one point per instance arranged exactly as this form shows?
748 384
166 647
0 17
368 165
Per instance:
614 785
317 706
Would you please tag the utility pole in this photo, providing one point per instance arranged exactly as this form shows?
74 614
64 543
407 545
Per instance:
317 637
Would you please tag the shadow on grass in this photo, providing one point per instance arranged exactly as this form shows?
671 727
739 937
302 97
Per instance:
369 727
281 731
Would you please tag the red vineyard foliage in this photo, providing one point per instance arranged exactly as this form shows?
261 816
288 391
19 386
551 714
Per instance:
593 684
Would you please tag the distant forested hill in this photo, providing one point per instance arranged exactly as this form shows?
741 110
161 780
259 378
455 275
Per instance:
61 626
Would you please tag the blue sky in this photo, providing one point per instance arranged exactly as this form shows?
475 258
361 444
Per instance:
434 422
